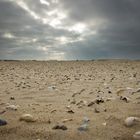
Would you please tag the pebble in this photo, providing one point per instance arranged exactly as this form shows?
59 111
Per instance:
136 136
2 122
62 127
130 121
12 98
27 118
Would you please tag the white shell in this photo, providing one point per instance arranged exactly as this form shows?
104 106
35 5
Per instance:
27 118
12 107
136 136
130 121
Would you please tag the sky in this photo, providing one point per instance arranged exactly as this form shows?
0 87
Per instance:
69 29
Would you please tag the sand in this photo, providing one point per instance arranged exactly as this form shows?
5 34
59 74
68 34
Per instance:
59 92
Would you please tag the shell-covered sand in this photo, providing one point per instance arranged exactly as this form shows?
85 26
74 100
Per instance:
62 92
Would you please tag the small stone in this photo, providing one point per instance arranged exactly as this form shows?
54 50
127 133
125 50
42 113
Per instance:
2 122
12 98
130 121
27 118
136 136
62 127
73 102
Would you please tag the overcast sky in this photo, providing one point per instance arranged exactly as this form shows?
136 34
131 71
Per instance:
69 29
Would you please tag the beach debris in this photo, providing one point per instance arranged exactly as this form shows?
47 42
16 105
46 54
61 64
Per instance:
86 120
130 121
12 107
84 125
67 120
70 111
27 118
136 136
104 124
124 98
82 103
62 127
2 112
74 94
91 103
54 110
136 91
3 122
99 100
96 110
120 92
52 87
110 99
73 101
12 98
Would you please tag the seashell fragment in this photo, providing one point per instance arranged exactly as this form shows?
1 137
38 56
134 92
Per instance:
12 107
83 127
27 118
62 127
126 99
2 122
136 136
130 121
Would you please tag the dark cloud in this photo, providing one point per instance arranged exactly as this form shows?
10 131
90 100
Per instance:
89 29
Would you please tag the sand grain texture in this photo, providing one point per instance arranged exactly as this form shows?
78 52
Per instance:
57 92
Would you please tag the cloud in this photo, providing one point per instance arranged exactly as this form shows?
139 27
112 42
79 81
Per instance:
72 29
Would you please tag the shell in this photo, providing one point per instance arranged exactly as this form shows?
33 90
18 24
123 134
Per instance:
12 107
27 118
83 127
2 122
136 136
130 121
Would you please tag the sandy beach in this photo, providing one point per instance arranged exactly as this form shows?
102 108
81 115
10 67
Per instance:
104 92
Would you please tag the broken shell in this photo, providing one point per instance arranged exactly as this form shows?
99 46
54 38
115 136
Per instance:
130 121
62 127
67 120
136 136
70 111
83 127
27 118
2 122
91 103
126 99
12 107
